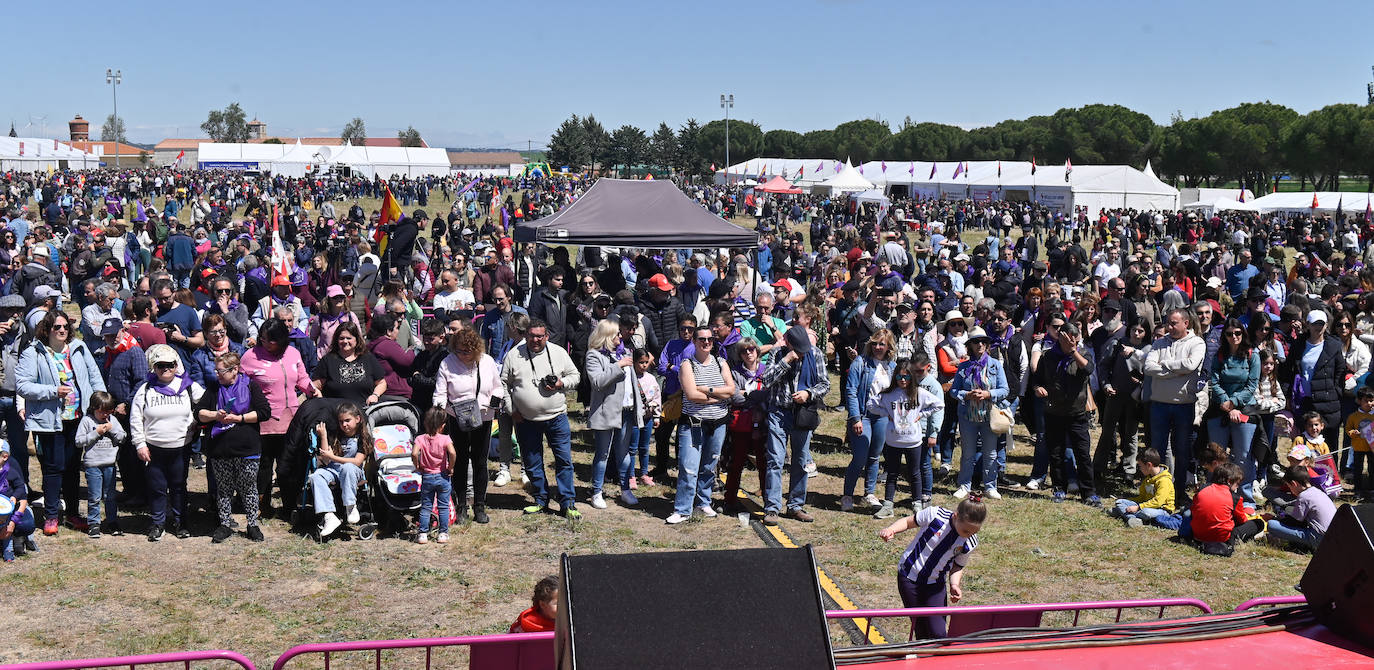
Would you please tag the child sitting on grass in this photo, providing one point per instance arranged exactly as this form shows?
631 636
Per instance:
1219 517
1156 496
1211 455
942 545
1306 520
543 612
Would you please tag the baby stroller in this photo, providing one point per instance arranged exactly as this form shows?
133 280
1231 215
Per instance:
304 514
392 477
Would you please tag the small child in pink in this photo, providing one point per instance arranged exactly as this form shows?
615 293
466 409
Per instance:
434 457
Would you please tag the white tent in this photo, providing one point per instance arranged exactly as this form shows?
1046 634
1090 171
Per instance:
27 154
1223 205
293 159
298 160
871 195
847 180
803 172
1300 202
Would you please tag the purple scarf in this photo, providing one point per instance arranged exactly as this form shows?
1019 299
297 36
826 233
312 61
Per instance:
977 371
179 384
234 399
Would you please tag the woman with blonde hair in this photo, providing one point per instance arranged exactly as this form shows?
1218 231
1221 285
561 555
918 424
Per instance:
468 387
608 369
869 376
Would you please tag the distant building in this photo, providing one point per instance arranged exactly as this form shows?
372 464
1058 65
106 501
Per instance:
166 151
257 130
128 154
80 129
485 163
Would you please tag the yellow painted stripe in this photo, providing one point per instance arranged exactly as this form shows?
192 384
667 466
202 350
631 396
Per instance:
831 588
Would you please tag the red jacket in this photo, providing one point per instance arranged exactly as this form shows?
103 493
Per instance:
1215 513
531 621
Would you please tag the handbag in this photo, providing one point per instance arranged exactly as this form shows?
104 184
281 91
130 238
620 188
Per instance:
1000 420
672 408
468 413
806 416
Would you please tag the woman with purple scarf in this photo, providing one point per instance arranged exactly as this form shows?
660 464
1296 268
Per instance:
161 423
235 445
979 384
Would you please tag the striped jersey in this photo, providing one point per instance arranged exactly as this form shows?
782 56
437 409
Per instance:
937 546
709 374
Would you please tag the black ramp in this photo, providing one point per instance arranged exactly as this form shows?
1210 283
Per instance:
750 608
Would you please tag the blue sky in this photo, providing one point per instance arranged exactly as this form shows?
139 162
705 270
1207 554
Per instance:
497 74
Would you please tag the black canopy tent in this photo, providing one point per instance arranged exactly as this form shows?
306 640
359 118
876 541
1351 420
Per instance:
651 214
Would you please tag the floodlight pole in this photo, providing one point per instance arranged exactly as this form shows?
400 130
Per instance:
113 78
727 103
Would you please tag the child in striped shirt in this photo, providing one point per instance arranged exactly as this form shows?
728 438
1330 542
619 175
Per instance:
943 542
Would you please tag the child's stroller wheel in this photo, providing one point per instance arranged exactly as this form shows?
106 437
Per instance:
367 531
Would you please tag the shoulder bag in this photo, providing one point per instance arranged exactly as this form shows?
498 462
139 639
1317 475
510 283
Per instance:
468 413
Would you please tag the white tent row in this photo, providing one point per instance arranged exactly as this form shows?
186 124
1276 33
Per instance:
1222 205
801 171
1300 202
297 160
28 154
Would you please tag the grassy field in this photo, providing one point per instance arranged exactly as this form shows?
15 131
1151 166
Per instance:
86 598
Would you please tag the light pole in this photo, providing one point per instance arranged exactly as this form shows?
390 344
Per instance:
113 78
727 103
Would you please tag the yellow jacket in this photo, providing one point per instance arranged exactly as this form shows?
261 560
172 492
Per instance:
1157 491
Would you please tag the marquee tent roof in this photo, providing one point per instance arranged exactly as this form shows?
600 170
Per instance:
848 179
872 195
635 213
1225 205
1327 201
778 185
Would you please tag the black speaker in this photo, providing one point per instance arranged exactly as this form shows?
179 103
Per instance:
747 608
1339 581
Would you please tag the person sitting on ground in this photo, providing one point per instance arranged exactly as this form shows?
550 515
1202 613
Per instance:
16 532
1220 518
1306 520
543 612
1156 497
341 457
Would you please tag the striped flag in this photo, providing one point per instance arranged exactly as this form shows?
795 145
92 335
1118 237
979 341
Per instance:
281 264
1068 169
177 163
1032 165
999 169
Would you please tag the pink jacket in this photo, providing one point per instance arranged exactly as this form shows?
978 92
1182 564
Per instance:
280 379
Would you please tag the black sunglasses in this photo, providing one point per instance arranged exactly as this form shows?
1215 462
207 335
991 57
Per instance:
165 366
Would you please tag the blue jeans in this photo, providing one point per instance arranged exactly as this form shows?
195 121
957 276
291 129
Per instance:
15 435
1147 514
610 445
867 448
1304 536
1237 438
975 437
100 487
637 440
698 450
531 435
780 431
1173 424
435 487
346 475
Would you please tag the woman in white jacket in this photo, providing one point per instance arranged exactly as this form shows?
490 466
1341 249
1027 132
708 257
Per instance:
1173 373
160 423
468 373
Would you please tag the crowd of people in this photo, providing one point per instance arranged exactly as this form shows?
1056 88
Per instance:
148 328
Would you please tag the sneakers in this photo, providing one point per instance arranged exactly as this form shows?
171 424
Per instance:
479 514
991 492
942 471
1093 501
179 532
800 514
50 526
461 518
1059 496
598 501
634 483
628 498
810 469
532 509
78 523
255 534
918 505
770 518
31 544
93 533
113 529
443 538
571 514
502 477
707 512
524 479
1034 483
155 534
422 538
847 503
872 500
221 534
1073 487
353 516
961 493
329 524
675 519
646 480
197 461
1134 522
886 511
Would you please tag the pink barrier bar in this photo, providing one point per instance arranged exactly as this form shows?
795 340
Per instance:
974 618
185 658
1270 601
510 651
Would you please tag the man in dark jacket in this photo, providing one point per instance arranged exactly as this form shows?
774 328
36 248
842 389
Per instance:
549 303
37 272
180 254
663 310
1061 380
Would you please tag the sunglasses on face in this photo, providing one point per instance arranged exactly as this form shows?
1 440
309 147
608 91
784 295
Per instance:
165 366
1236 333
59 326
705 339
903 378
224 291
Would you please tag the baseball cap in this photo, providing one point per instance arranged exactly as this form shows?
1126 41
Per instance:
44 292
334 291
162 353
660 282
111 326
1316 316
281 280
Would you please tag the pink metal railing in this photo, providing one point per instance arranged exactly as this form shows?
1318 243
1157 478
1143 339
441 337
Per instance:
510 651
1270 601
185 658
973 618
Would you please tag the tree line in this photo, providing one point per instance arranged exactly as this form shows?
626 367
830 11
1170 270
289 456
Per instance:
1254 144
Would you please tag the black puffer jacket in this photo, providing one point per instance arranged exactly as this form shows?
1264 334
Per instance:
663 316
1327 382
